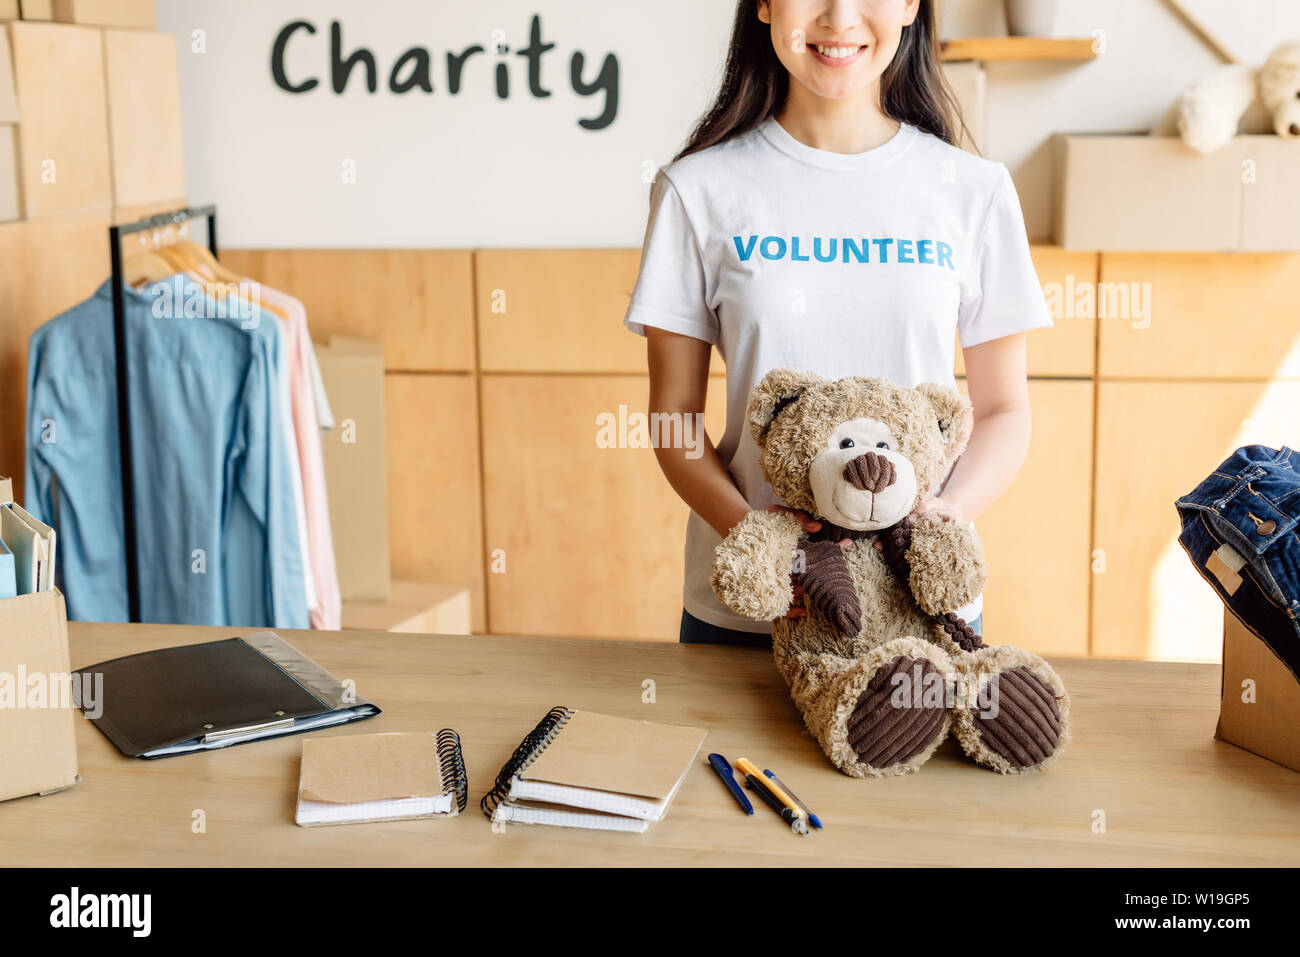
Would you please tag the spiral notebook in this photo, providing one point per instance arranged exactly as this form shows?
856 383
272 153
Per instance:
363 778
589 770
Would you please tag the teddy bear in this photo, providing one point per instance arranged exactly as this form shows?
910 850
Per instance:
880 665
1240 99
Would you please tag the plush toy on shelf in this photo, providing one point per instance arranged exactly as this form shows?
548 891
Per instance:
880 666
1240 99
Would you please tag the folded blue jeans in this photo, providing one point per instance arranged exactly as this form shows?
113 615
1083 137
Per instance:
1239 530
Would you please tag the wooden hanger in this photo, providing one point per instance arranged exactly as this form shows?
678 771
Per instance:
144 265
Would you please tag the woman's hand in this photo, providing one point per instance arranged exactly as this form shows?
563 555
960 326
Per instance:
935 503
929 503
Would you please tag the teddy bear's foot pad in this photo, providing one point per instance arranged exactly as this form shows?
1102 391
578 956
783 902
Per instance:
895 719
1025 726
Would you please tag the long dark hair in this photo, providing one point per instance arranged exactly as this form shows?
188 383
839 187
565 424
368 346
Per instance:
755 83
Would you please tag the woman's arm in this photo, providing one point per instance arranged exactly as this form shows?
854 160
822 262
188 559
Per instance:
996 378
679 381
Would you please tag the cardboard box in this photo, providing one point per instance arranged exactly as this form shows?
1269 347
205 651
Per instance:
63 140
135 14
9 10
356 466
11 195
8 95
37 9
144 117
1270 205
38 735
1260 707
969 85
413 608
1146 193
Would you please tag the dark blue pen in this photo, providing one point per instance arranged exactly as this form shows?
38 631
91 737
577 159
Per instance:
812 818
723 767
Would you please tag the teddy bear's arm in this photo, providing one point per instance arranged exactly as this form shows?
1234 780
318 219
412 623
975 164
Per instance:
946 561
752 565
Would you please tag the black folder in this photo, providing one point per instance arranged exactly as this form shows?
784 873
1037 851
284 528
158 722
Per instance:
212 695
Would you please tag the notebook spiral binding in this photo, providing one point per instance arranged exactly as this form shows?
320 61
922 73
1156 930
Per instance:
534 744
452 761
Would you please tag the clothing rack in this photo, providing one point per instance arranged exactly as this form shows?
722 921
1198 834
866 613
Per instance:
115 234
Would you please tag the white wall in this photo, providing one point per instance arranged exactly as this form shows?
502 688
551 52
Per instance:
471 170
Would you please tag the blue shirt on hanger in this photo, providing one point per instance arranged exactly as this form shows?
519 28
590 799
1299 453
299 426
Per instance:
216 531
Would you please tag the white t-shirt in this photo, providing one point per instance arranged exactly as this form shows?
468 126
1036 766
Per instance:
782 255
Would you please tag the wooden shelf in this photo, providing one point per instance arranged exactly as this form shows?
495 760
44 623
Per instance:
1019 48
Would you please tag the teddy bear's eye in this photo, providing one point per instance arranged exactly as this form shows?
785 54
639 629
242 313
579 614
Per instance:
882 445
846 443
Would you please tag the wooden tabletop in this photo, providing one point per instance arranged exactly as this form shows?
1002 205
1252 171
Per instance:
1143 756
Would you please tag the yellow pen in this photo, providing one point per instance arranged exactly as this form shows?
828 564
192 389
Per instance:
747 768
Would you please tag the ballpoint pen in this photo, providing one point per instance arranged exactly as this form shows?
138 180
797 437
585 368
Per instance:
773 795
812 818
720 765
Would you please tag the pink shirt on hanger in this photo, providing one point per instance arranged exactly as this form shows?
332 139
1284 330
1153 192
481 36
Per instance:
328 613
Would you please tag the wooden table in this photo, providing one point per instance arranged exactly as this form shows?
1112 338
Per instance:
1142 754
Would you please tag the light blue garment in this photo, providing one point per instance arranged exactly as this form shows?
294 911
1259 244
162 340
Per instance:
216 530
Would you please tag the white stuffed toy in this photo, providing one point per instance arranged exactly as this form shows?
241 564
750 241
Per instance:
1240 99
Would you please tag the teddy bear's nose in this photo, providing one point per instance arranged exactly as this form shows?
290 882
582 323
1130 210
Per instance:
870 472
1294 129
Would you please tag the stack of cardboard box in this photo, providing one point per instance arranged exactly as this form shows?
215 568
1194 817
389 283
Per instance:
90 130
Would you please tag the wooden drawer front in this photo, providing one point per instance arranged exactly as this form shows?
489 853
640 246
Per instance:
417 302
1156 442
556 310
1202 316
1036 536
591 538
435 509
1069 281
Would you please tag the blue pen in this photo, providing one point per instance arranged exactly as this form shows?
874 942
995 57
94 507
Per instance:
812 818
723 767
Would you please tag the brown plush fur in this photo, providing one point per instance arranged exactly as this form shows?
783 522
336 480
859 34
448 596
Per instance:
791 415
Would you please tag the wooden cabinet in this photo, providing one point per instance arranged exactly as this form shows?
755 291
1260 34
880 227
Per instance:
63 131
556 310
1156 440
580 539
1069 281
1199 316
417 302
435 507
144 117
1036 536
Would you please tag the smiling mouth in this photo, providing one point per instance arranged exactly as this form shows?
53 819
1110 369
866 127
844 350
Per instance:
836 54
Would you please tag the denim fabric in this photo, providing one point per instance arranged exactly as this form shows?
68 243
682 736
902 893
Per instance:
696 632
1239 530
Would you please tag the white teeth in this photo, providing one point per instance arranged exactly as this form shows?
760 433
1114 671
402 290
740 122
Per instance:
835 53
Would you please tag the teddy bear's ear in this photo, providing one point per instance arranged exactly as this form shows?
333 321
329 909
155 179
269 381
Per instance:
954 413
777 390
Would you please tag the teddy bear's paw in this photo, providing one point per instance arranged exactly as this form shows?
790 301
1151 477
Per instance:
1014 718
892 710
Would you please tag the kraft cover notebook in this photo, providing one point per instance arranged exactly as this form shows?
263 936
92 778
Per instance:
583 769
363 778
219 693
